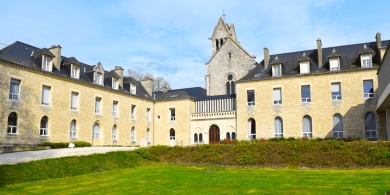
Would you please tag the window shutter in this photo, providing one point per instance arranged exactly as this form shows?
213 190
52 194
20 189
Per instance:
74 100
277 96
335 87
45 95
333 63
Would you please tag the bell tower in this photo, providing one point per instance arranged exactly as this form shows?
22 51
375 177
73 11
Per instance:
222 31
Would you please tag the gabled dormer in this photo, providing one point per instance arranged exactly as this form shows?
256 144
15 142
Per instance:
73 66
304 64
113 79
334 61
47 58
276 67
366 57
98 74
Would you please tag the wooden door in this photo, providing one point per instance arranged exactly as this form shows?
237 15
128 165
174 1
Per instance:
214 135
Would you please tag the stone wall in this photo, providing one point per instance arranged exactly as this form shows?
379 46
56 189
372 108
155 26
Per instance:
30 110
321 109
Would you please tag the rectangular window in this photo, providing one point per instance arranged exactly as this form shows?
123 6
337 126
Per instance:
97 105
114 83
115 108
305 92
132 134
251 97
277 96
75 72
305 67
74 100
147 114
276 70
46 95
229 55
172 113
132 111
368 89
334 63
366 62
99 78
132 88
46 64
336 91
14 89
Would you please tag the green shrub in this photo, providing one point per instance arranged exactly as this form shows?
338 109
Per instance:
291 139
82 144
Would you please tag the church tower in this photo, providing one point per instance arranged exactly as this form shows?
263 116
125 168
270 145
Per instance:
229 60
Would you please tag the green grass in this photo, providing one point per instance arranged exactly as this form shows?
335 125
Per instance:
162 178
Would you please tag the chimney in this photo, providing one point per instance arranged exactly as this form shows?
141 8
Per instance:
119 70
266 58
56 50
378 40
165 89
319 52
147 83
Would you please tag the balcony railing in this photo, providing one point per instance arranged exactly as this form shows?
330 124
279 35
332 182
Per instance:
306 100
213 115
336 97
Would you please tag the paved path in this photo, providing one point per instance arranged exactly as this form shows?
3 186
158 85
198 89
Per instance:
18 157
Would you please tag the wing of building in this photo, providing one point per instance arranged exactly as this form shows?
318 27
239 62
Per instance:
322 92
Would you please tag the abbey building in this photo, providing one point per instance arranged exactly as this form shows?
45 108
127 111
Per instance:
321 92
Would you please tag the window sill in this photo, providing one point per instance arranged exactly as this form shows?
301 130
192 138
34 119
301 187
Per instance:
45 106
74 110
12 134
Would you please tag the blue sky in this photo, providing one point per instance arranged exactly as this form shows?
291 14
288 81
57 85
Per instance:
170 38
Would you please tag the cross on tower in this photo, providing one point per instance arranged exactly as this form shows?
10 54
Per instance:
223 15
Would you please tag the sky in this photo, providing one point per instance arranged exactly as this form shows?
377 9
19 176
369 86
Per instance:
170 38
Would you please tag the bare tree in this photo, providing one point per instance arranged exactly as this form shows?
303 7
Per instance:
158 82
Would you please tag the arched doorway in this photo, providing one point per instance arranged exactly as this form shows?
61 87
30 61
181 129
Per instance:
214 134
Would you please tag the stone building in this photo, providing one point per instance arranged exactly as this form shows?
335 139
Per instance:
322 92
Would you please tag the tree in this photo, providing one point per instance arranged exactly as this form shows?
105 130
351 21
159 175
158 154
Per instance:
158 82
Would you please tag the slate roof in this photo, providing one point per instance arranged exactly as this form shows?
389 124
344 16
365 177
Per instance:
180 94
349 61
19 54
71 60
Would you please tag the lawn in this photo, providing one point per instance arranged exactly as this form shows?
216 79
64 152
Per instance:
163 178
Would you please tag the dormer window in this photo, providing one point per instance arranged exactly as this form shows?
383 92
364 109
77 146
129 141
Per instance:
334 64
46 63
75 72
304 67
99 78
132 88
366 60
276 70
114 83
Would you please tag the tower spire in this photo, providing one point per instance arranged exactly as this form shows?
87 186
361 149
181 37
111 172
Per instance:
223 15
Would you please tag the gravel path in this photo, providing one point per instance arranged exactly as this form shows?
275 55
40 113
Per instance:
18 157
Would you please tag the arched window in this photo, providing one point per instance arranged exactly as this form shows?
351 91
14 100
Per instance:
230 87
337 126
96 131
200 138
370 125
278 127
217 44
227 135
132 134
44 126
251 129
233 136
195 138
233 86
307 126
221 40
147 135
73 129
12 123
172 134
114 133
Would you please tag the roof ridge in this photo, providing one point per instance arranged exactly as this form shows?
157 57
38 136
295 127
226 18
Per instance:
27 44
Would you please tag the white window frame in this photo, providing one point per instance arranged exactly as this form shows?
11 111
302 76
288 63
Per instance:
115 108
44 131
251 103
133 111
334 64
74 100
75 72
114 83
275 98
333 89
12 94
172 114
12 129
73 129
45 95
277 70
304 67
133 88
98 102
366 60
46 63
96 134
305 100
114 133
99 78
147 135
132 134
147 114
368 95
